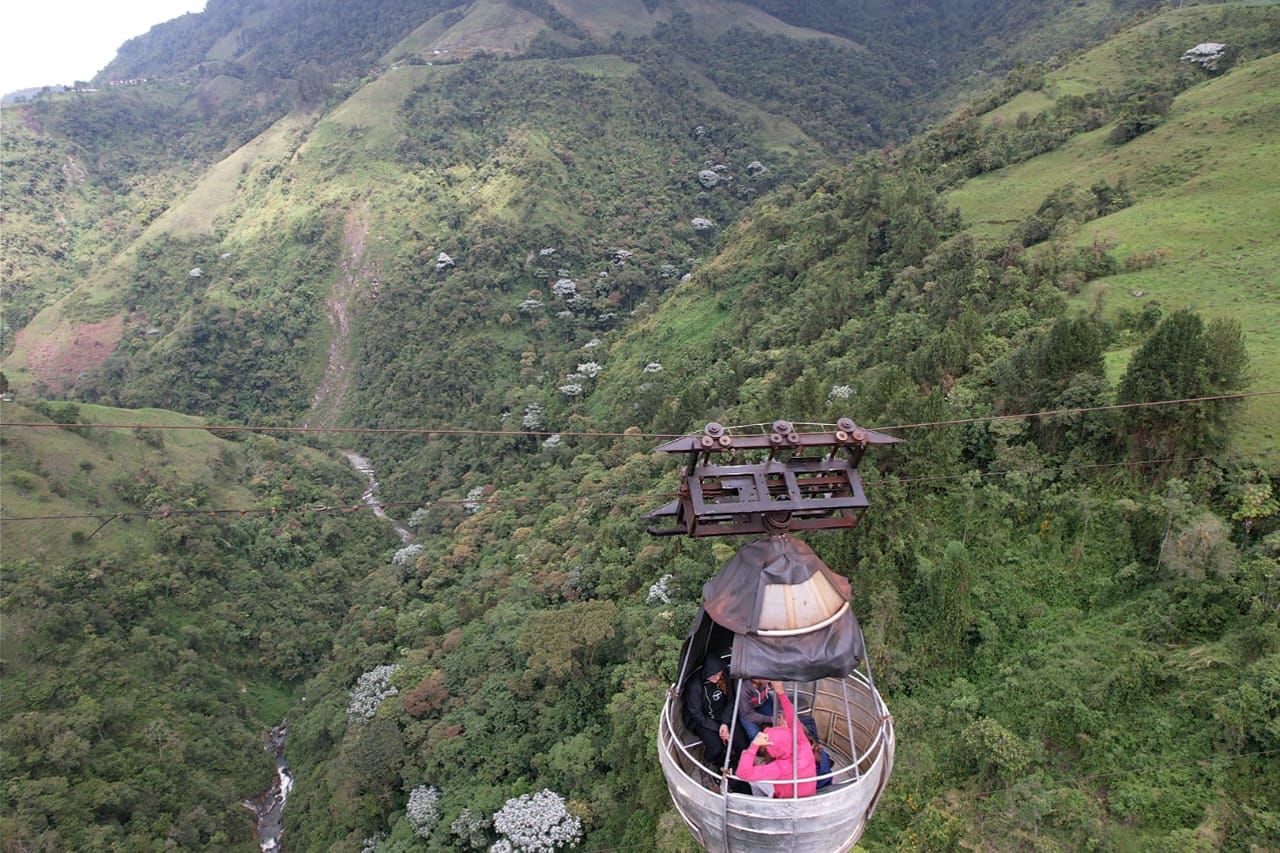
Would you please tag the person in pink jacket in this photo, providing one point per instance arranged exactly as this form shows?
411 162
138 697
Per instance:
784 764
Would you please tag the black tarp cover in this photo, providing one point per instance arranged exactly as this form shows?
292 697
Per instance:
732 599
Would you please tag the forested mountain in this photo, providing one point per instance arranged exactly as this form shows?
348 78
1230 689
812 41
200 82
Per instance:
148 645
534 218
243 81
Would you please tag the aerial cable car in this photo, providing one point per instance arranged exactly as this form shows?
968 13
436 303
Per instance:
776 612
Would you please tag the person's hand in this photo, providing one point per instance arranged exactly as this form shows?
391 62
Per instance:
724 733
778 686
761 739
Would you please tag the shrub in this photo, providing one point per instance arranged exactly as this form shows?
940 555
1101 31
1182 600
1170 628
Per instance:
995 750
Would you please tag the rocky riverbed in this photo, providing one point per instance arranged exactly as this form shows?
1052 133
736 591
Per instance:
370 496
269 805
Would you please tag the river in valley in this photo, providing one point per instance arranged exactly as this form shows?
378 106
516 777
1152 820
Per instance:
370 496
269 805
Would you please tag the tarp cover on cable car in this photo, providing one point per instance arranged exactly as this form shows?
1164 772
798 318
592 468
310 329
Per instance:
787 611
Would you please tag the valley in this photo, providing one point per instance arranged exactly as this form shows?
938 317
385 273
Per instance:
475 260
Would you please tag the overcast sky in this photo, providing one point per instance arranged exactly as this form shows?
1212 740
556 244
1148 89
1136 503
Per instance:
45 42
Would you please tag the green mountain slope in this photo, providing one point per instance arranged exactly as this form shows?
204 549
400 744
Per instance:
1076 634
1201 230
773 84
1076 637
433 178
144 658
73 471
87 172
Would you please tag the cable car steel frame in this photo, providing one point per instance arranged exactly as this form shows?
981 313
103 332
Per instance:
789 489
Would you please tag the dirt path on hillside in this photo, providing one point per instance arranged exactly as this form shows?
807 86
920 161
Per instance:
330 396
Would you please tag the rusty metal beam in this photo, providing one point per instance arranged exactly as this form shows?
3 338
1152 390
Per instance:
798 492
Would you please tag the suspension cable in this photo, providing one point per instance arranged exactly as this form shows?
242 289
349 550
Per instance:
632 434
611 497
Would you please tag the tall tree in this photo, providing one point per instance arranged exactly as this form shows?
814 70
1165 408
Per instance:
1183 359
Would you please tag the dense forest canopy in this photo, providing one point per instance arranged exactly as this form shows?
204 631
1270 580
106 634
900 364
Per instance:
532 221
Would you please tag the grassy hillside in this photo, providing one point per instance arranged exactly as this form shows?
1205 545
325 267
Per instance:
68 471
71 204
1205 193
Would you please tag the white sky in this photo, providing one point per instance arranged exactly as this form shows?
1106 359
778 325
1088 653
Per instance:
46 42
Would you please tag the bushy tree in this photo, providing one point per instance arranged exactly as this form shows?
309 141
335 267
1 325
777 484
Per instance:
372 759
1140 114
1182 359
1046 364
535 823
423 810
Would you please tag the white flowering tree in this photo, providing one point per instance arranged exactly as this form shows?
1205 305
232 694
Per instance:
423 810
589 369
371 689
475 500
532 419
471 828
408 555
535 823
661 592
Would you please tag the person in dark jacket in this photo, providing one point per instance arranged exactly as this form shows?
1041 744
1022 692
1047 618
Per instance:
709 707
755 707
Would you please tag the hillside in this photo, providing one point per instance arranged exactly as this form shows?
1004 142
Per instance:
86 173
202 151
631 218
1201 231
1073 618
73 471
148 648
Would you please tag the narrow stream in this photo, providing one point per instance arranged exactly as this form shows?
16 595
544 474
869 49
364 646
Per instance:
269 805
370 496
